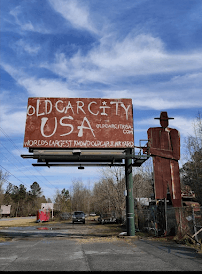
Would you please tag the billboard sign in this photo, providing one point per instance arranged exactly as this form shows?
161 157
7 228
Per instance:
5 209
79 123
47 206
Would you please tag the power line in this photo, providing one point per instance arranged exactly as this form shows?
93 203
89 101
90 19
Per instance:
12 174
11 141
22 165
7 136
16 167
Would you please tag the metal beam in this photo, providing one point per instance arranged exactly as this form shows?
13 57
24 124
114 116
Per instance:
79 164
83 164
88 160
53 157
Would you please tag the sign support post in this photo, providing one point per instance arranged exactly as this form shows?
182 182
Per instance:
129 195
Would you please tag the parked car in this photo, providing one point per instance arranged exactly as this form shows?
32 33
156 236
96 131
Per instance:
107 218
92 214
78 216
65 216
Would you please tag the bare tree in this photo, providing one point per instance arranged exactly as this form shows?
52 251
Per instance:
80 197
3 179
108 193
191 172
62 201
142 185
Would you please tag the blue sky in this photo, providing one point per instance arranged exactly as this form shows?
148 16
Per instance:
147 50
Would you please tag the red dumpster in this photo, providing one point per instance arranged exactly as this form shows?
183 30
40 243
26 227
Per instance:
43 215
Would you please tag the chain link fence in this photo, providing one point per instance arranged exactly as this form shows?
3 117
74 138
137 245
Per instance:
158 220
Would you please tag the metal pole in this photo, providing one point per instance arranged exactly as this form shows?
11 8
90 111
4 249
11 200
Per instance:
156 219
129 195
166 217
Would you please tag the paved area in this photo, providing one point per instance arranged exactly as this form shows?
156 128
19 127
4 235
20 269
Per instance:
78 247
49 251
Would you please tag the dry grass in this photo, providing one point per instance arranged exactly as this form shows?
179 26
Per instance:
2 239
113 239
92 240
5 239
188 241
17 221
13 222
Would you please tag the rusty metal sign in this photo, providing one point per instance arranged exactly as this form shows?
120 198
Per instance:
79 123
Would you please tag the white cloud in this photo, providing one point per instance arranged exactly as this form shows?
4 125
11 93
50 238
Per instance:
40 87
180 92
158 103
182 124
13 123
46 87
15 73
160 96
112 61
23 45
26 25
75 12
142 55
18 152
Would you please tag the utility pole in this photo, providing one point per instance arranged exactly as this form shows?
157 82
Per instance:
129 195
